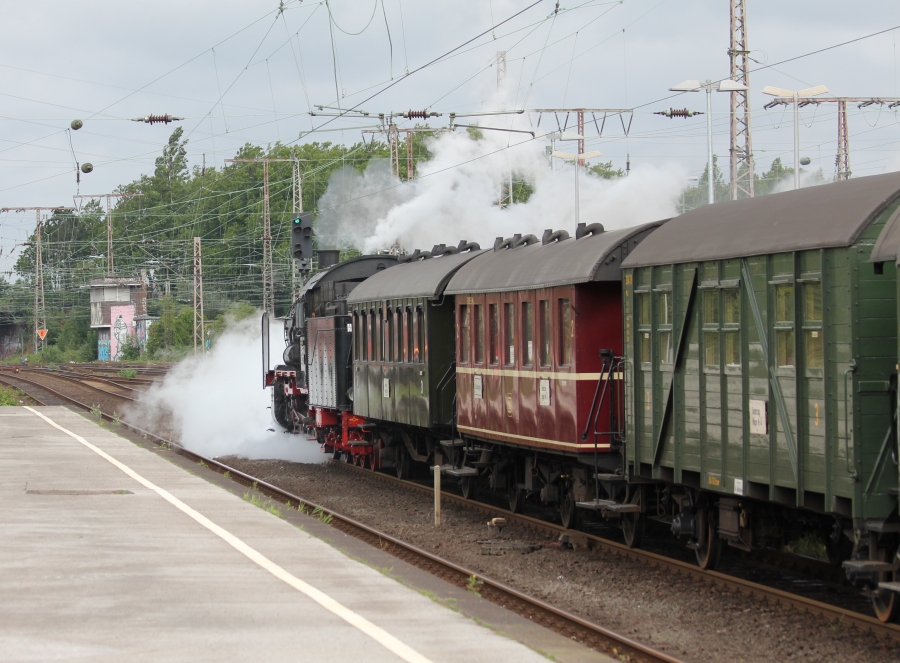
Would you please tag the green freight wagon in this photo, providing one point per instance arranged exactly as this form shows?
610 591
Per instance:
761 352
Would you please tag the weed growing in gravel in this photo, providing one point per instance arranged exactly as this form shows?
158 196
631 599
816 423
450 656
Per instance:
323 517
203 463
227 474
128 373
808 545
117 419
10 396
95 410
837 625
266 505
473 584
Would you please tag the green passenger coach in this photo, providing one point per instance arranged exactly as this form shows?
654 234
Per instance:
761 351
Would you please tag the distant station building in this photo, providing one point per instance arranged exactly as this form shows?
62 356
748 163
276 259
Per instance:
119 314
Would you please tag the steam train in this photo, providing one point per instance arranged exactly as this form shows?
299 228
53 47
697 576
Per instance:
731 372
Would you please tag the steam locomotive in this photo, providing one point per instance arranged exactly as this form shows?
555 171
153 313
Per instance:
731 372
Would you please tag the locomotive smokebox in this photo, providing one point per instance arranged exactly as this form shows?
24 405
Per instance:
329 257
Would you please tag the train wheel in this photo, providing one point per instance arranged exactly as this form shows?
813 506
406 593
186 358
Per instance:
516 496
633 524
709 553
885 603
401 464
467 486
568 512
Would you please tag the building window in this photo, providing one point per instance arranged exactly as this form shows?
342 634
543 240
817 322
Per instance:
527 334
664 311
812 311
420 335
479 334
566 332
509 330
784 325
546 333
494 328
464 334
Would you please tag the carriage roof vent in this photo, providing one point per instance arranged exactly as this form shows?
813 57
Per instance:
549 236
583 230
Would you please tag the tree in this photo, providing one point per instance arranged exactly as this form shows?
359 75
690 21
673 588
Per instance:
606 171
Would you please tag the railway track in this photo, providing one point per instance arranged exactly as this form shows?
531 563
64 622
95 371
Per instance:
561 621
831 613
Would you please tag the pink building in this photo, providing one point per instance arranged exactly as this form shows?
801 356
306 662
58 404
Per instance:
118 306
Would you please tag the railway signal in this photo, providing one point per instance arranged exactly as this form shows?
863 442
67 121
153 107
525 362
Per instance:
302 240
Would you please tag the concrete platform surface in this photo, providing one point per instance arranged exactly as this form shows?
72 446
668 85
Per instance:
110 553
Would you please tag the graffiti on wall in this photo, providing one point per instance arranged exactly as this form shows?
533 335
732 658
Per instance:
122 318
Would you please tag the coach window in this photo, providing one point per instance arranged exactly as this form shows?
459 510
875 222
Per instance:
711 328
566 332
509 330
546 332
479 334
784 325
664 311
420 335
464 334
398 335
388 336
812 325
376 336
731 303
645 326
494 334
410 339
527 334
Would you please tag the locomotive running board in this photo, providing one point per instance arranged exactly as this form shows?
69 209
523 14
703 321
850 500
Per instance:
461 472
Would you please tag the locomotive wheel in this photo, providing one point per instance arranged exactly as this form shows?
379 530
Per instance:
467 486
516 496
709 553
401 464
568 513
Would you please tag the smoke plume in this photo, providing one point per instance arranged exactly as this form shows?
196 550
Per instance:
455 196
218 405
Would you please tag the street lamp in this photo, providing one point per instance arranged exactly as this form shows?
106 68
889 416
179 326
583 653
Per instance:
577 158
560 135
808 92
727 85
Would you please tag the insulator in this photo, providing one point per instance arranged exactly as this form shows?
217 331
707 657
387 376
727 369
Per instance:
87 167
153 119
420 115
678 112
76 125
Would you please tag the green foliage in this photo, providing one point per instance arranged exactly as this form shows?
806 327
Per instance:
606 171
128 373
9 396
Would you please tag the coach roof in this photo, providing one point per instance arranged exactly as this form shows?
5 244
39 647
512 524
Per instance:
827 216
417 278
535 264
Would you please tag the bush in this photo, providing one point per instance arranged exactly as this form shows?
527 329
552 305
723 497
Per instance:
9 396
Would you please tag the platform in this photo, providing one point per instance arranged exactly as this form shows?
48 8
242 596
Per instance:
110 553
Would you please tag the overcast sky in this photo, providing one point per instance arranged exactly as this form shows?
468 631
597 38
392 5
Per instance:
243 72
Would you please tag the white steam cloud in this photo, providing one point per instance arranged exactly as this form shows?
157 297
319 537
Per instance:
456 192
218 405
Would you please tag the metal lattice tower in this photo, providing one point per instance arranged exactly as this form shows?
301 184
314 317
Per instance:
40 313
109 228
199 319
393 140
297 207
501 77
268 272
842 161
741 143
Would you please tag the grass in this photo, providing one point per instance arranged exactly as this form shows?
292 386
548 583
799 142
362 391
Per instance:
473 584
10 396
808 545
128 373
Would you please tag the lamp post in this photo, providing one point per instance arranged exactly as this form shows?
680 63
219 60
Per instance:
577 158
727 85
796 96
555 136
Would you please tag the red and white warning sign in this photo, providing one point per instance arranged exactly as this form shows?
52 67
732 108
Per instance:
42 333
